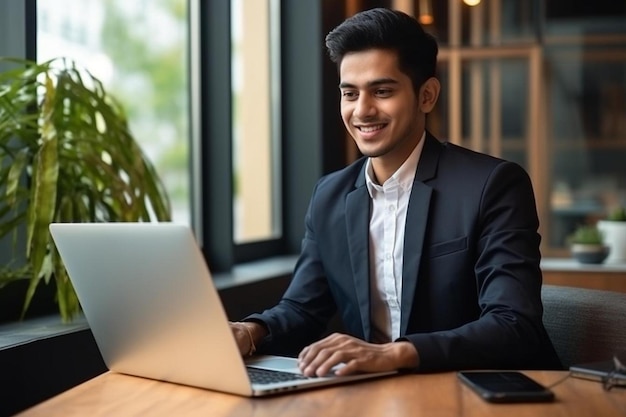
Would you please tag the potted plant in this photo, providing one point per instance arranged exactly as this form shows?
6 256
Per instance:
587 245
66 155
614 229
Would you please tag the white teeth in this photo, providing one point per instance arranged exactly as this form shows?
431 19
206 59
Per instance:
368 129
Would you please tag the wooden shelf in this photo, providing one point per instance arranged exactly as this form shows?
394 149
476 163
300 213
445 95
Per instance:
570 273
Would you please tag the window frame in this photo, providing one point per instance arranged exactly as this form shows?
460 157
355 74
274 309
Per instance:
308 136
299 124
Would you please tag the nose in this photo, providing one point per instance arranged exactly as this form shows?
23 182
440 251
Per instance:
365 107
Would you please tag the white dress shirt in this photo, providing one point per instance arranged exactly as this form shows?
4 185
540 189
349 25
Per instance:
386 243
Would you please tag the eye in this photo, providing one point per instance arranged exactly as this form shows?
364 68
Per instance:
383 92
349 95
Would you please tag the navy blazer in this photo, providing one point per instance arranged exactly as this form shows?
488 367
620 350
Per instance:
471 282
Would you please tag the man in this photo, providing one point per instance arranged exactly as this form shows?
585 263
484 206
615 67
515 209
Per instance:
428 252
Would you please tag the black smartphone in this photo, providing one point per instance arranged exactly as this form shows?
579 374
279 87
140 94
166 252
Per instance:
505 386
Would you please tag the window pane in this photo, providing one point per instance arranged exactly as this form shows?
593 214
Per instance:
138 49
588 106
256 163
490 102
501 22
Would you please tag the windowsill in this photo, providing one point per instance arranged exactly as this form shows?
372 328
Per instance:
255 271
31 330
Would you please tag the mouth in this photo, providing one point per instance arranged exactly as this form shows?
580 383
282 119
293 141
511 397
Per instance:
370 130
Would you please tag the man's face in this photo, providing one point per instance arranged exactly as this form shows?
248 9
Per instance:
379 106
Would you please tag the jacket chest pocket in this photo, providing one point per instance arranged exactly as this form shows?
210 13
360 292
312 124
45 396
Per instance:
448 247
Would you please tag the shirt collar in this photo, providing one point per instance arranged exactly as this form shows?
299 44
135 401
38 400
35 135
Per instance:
403 176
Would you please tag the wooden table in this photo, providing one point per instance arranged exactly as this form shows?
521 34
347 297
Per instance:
414 395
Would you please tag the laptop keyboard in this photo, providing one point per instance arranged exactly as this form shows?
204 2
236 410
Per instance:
264 376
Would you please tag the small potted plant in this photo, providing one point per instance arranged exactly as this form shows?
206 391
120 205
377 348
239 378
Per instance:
587 245
614 230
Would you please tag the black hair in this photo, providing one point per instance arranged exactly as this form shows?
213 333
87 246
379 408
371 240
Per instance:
393 30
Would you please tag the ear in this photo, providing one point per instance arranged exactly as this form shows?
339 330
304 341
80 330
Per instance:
429 93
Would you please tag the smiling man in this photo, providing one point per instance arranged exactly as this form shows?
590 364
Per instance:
382 110
428 252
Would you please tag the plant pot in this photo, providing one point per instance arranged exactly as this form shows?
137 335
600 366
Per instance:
615 237
590 253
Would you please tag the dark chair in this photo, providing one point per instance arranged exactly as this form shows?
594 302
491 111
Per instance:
584 325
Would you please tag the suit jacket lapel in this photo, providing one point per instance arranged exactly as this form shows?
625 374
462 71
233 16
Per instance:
357 224
415 227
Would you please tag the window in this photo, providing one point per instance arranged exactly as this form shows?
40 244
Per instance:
139 51
255 84
144 54
242 132
143 50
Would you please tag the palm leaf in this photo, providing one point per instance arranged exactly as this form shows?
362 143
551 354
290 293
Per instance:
67 156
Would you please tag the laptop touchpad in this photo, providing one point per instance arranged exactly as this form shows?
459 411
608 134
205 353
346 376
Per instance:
275 363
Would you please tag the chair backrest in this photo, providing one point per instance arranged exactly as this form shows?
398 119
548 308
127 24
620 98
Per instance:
584 325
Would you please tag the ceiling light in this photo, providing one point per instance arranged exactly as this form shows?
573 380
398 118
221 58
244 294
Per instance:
425 15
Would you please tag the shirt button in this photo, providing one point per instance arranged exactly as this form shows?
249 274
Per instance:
391 207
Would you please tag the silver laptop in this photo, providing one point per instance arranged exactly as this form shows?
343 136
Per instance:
150 302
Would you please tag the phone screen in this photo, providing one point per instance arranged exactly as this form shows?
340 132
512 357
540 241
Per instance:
505 386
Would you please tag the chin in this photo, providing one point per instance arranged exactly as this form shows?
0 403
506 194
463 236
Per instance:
371 151
371 154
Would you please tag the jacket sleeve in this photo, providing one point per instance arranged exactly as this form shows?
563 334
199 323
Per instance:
508 332
304 311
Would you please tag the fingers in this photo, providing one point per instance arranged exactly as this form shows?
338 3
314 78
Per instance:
338 353
321 364
241 337
344 355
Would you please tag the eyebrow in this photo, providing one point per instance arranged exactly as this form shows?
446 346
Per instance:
370 84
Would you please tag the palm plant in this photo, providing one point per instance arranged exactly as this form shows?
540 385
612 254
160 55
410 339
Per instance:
66 155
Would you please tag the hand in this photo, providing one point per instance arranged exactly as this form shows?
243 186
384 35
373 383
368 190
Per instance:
356 355
247 335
